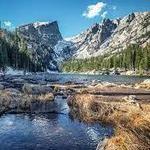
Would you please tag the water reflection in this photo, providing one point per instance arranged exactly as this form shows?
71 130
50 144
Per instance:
49 131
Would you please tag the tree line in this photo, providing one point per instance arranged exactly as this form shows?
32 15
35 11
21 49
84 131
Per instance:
133 57
14 53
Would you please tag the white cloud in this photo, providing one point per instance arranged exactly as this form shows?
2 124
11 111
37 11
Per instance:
7 23
94 10
114 7
103 15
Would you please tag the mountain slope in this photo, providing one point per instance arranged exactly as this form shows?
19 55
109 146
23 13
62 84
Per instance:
113 36
41 38
14 53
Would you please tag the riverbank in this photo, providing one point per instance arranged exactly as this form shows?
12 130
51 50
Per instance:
128 114
15 101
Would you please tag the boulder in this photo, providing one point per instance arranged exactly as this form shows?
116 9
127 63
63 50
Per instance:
12 91
36 89
18 80
145 84
129 73
108 84
130 99
1 87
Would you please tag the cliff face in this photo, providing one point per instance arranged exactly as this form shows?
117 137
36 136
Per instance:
41 38
113 35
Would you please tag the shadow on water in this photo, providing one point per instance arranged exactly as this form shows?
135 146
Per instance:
49 131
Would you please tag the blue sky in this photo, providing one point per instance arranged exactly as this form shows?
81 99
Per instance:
73 16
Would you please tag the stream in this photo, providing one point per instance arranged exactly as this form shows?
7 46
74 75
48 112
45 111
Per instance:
50 131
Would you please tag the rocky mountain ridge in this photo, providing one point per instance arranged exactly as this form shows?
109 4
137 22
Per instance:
113 35
41 38
47 45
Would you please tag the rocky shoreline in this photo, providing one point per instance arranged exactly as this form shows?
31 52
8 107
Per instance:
112 72
31 94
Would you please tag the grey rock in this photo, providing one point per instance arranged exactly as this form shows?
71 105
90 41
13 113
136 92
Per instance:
36 89
13 91
112 36
1 87
41 37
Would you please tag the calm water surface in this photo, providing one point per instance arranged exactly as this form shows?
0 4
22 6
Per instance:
119 79
49 131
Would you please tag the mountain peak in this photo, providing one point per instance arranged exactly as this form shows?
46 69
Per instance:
113 35
106 20
39 24
41 38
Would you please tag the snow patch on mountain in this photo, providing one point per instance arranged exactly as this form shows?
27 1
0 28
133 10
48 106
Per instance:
37 24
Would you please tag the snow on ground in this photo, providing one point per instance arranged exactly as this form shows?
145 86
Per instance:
49 71
11 71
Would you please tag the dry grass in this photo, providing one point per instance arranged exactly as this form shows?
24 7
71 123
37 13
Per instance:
4 99
46 97
131 123
10 99
145 85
